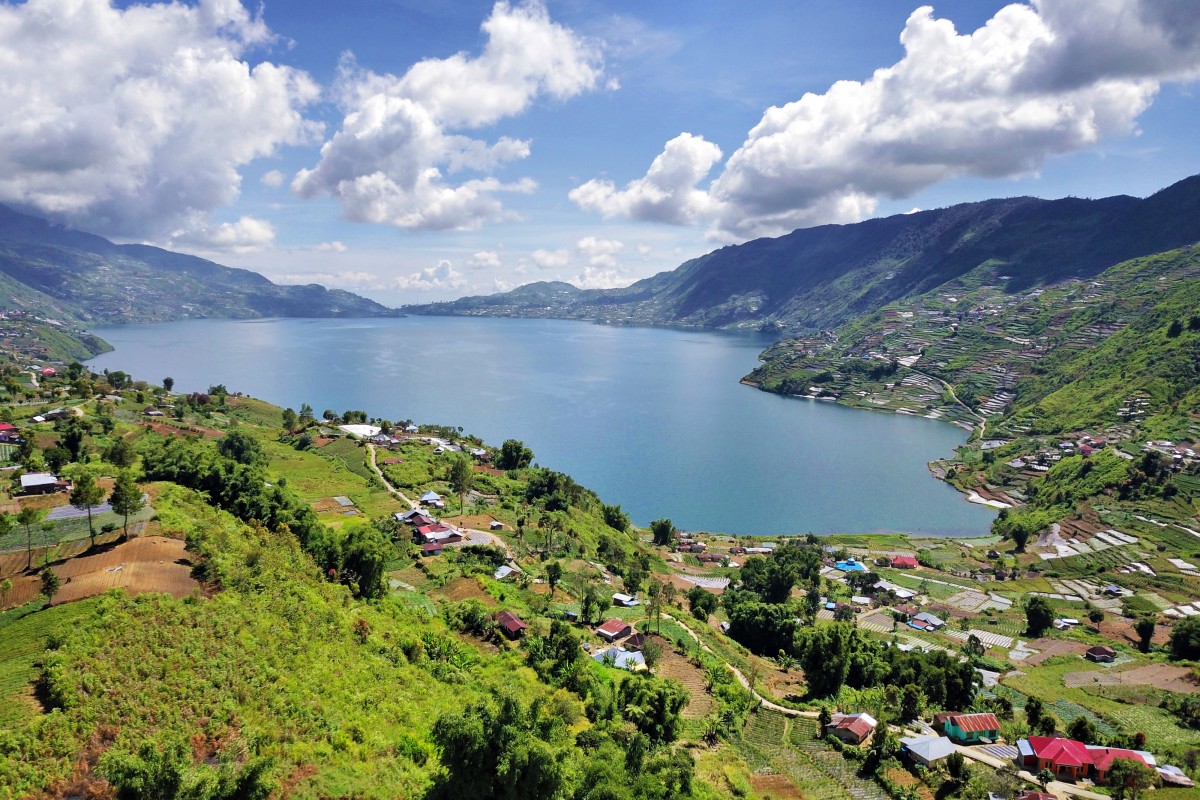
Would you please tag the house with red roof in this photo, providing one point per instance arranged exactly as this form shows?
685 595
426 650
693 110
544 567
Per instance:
512 625
904 562
971 728
1072 760
614 629
851 728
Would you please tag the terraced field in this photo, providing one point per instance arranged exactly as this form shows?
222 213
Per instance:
777 745
672 665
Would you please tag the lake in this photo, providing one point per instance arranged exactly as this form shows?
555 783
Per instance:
653 419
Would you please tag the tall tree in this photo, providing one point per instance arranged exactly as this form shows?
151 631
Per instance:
1145 630
27 518
168 383
554 572
663 530
87 494
126 497
1128 778
50 584
1038 615
289 420
514 455
462 478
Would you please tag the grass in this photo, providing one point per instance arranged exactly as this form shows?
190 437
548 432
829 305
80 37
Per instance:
25 632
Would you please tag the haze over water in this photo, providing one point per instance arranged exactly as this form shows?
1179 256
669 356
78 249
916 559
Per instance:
652 419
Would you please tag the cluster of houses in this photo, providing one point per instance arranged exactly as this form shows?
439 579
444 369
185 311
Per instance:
1072 760
433 536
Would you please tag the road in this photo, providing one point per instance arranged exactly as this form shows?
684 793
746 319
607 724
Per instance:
491 538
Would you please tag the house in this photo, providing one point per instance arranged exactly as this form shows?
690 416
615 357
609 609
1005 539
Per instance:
42 483
972 728
1072 760
496 525
153 412
432 498
504 571
621 658
928 621
635 641
904 562
511 624
626 600
1065 623
1101 653
1174 776
433 548
851 728
927 750
614 629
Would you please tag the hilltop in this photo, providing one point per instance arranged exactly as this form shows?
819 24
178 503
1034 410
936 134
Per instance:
818 278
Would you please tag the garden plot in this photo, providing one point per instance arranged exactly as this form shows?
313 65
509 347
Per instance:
1184 610
1047 648
1055 545
1160 676
1136 566
705 582
1058 596
970 601
987 637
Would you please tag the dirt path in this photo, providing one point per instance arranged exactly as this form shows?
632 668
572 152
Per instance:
981 419
491 538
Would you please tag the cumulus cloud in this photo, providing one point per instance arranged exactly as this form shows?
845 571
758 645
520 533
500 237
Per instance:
600 278
667 193
341 280
551 259
600 252
1035 81
274 179
484 259
132 121
331 247
394 159
441 277
247 235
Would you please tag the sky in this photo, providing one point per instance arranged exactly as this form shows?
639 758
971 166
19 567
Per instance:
414 150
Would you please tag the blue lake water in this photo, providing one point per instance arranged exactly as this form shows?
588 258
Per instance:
652 419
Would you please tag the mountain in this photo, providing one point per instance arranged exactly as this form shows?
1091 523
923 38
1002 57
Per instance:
818 278
66 274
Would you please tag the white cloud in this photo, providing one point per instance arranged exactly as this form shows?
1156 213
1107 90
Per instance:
339 280
1034 82
274 179
331 247
667 193
484 259
551 259
247 235
390 163
600 252
441 277
134 121
600 278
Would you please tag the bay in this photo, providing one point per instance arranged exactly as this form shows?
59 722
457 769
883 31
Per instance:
653 419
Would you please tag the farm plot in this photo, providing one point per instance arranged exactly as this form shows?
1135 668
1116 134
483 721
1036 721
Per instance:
145 564
1160 676
672 665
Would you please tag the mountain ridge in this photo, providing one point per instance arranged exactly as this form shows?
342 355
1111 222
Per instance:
818 278
84 278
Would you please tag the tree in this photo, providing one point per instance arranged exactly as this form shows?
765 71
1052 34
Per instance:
242 448
911 701
6 586
1175 328
701 602
365 553
663 530
1081 729
87 494
306 415
1144 628
514 455
50 584
554 572
1096 616
1185 639
28 517
956 766
168 383
1033 713
461 480
615 518
290 420
126 497
1044 778
1128 778
121 453
1038 615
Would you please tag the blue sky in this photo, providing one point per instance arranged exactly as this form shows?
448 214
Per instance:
416 151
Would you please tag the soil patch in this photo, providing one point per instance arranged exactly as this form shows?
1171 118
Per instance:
145 564
780 685
465 589
1122 630
672 665
164 429
1048 648
479 522
775 787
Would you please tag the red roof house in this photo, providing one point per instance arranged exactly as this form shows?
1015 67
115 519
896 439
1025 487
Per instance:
1073 760
511 624
904 562
614 629
971 727
851 728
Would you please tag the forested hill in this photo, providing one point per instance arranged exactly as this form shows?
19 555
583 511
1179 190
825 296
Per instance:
65 274
818 278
